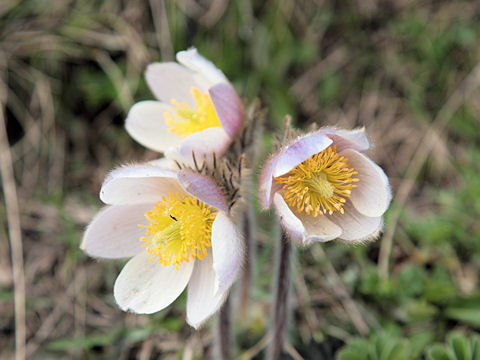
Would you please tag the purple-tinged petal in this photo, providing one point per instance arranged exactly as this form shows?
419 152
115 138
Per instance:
173 81
200 65
114 232
348 139
291 223
202 187
372 195
146 124
228 106
146 287
356 226
300 151
227 249
138 184
202 299
208 141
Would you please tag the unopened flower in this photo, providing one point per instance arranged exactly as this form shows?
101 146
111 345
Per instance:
175 226
324 188
198 109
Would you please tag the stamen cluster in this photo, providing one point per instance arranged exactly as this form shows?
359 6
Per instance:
179 229
320 184
184 121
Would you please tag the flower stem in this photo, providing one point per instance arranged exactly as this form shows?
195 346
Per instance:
223 338
248 264
282 282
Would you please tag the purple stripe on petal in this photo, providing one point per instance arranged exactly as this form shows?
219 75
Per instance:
300 151
228 106
203 188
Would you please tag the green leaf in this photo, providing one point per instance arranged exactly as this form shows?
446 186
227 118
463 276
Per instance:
439 352
470 316
460 347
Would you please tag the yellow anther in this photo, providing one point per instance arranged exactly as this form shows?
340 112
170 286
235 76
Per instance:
320 184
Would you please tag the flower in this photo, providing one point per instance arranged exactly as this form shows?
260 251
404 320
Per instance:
175 226
324 188
198 109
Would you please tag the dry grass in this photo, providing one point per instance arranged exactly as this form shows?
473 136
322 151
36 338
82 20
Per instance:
70 70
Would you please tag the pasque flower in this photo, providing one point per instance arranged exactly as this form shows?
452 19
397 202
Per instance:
197 108
324 188
175 226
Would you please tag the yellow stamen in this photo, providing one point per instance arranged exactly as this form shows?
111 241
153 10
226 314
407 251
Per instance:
184 121
180 229
320 184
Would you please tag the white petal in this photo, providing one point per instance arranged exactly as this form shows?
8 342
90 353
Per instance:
265 183
196 62
227 249
291 223
114 232
164 163
173 81
372 195
202 300
138 184
356 227
348 139
319 228
300 151
146 124
146 287
208 141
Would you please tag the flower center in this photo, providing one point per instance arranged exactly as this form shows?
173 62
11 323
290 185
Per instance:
184 121
320 184
180 228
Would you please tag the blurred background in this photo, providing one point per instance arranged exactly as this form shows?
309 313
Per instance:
406 70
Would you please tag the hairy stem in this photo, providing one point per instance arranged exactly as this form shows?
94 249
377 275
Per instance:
282 282
223 338
246 280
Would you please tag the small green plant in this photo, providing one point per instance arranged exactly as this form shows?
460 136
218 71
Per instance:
458 347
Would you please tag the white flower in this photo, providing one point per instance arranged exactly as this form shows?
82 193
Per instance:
324 188
198 109
175 226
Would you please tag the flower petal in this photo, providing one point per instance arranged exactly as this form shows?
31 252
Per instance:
319 228
203 188
348 139
227 249
300 151
145 286
173 81
265 183
164 163
205 142
228 106
202 300
372 195
291 223
356 226
114 232
138 184
146 124
196 62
